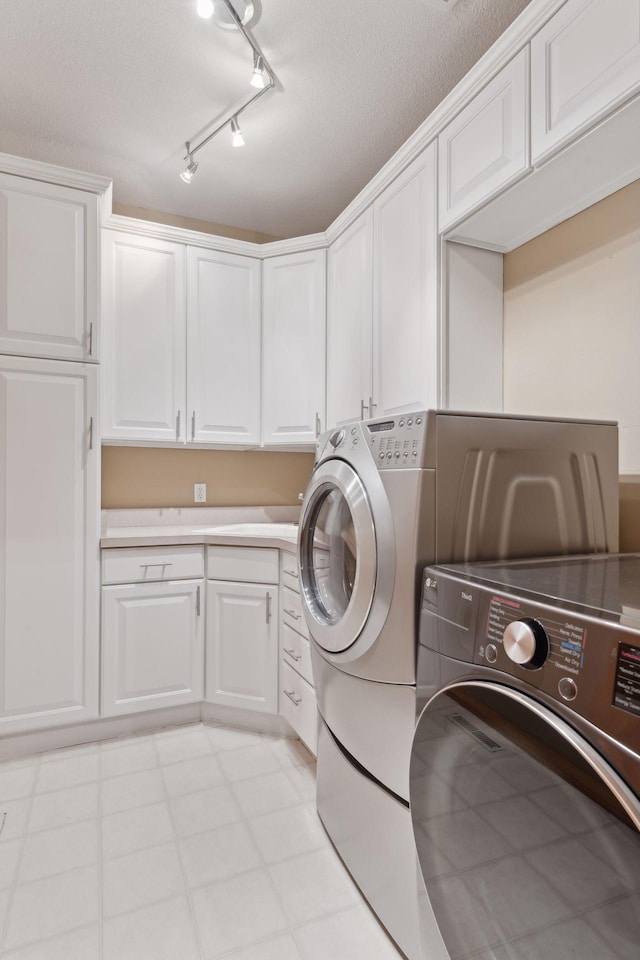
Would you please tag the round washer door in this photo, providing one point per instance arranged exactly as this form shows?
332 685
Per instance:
527 839
338 556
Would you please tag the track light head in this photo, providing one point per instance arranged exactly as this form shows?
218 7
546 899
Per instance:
189 170
258 79
236 133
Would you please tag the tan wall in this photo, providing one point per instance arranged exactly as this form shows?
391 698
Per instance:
151 477
188 223
572 321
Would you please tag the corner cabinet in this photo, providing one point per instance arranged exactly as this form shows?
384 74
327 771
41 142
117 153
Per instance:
49 537
405 292
293 358
48 270
584 62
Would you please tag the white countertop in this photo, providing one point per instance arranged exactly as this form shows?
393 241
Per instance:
250 526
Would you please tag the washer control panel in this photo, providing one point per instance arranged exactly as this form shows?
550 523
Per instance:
397 443
588 661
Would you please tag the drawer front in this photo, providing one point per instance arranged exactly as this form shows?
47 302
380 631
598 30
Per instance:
292 613
242 564
298 705
296 651
290 571
142 564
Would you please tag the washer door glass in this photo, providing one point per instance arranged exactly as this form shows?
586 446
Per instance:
338 556
528 841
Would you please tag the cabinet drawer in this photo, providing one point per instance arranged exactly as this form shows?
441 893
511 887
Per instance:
298 705
290 571
296 651
244 564
292 613
129 565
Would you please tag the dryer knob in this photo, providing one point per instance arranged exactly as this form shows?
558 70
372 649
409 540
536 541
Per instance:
337 438
526 643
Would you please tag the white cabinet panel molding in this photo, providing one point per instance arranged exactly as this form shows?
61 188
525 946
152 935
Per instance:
48 270
405 293
293 357
242 645
486 147
584 62
223 348
49 534
349 322
144 341
153 645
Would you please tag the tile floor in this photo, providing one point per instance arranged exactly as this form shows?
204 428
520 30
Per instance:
193 843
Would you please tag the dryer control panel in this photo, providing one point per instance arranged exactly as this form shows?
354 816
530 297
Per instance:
588 661
396 443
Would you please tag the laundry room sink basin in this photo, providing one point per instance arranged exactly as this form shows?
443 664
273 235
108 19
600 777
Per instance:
288 531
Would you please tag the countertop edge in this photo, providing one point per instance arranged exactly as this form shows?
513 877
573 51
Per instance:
198 539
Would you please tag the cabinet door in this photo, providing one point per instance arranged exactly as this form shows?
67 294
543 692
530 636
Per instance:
152 645
242 645
223 336
293 365
349 322
48 270
49 536
405 303
486 147
144 339
584 62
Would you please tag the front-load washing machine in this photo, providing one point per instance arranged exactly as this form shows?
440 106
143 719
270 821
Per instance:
386 497
525 771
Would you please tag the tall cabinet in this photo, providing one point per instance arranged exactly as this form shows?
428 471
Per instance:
49 454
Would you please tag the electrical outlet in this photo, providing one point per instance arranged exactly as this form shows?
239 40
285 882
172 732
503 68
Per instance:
199 493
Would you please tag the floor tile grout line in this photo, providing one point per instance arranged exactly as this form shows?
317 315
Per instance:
16 874
183 870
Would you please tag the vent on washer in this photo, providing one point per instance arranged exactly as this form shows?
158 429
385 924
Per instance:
478 734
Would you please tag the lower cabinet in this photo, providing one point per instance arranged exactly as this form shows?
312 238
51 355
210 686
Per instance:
242 645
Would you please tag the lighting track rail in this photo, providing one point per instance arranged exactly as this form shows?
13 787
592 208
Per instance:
262 80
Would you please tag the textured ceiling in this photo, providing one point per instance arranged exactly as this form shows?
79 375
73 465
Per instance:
115 87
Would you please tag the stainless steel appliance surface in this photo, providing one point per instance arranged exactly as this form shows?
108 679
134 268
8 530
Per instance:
386 497
525 766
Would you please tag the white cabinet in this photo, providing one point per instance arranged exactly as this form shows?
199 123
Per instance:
181 343
49 534
293 364
405 293
144 339
297 696
153 645
242 645
48 270
223 355
349 316
584 62
486 147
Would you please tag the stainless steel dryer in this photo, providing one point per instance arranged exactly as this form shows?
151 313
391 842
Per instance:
386 497
525 774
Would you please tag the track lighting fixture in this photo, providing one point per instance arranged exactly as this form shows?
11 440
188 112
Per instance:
190 169
233 15
236 133
257 77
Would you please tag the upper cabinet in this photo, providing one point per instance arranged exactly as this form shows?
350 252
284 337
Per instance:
48 270
349 316
486 147
293 365
584 62
223 348
144 339
405 292
181 347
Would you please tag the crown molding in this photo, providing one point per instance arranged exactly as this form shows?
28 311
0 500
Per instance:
505 48
51 173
